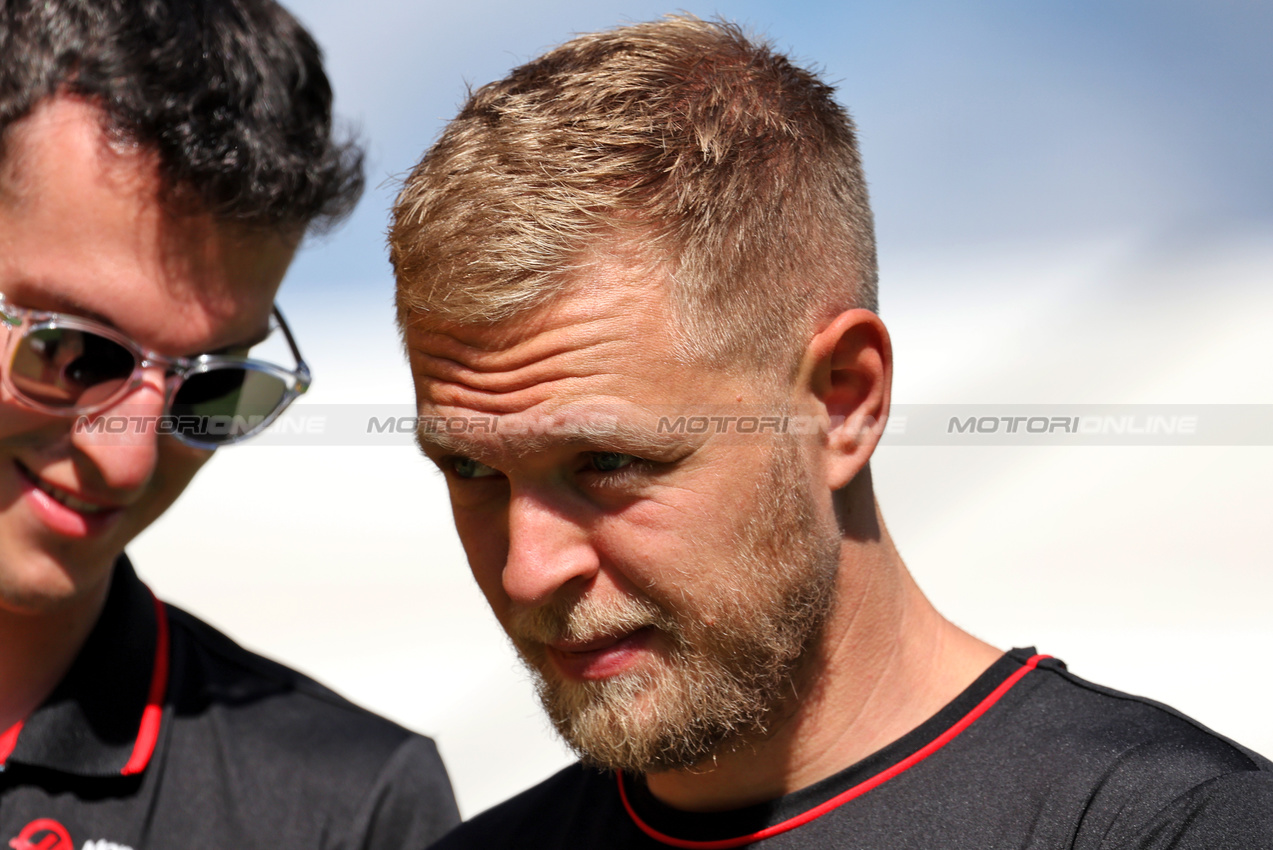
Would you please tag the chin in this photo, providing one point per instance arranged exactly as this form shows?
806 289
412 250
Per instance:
43 584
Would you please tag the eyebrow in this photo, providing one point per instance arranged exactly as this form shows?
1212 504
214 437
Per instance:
447 435
59 303
68 305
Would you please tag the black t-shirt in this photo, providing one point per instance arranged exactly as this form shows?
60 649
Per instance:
166 734
1029 756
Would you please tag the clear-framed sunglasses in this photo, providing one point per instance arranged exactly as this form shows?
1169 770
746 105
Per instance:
70 366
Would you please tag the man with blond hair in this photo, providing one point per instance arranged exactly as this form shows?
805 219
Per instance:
642 268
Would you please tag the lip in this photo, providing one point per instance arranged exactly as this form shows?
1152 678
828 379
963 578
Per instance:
60 518
601 657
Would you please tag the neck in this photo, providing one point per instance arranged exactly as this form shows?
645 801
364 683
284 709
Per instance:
887 661
37 648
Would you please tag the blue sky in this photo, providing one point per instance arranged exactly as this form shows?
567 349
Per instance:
982 124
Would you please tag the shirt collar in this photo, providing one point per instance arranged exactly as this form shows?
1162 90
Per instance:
103 718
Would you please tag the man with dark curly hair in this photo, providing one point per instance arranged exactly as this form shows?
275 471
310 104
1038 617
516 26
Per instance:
160 162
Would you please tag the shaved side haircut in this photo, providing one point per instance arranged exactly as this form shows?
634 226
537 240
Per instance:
682 146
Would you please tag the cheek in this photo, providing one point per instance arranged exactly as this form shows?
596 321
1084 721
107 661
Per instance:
17 418
702 513
485 541
666 547
174 469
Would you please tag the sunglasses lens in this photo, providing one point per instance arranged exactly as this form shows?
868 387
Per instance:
223 405
63 367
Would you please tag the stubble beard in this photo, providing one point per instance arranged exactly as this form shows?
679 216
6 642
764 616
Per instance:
728 664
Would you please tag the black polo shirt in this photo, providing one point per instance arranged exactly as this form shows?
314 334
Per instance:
1028 757
165 733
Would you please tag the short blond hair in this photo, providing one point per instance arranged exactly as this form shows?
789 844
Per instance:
682 141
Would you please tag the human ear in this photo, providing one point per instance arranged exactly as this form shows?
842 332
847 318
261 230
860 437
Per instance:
848 374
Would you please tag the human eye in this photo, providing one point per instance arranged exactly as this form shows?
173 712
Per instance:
466 467
609 470
610 461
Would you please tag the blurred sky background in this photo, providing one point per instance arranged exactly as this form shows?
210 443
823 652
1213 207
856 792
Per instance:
1074 203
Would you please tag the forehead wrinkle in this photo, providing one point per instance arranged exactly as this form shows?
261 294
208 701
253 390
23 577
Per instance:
482 401
549 370
514 342
520 356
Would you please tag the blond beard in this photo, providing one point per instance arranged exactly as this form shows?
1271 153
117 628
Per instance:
731 662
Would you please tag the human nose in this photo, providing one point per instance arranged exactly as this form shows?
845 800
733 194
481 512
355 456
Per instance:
548 548
121 441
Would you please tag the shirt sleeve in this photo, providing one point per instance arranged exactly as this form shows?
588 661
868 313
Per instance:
409 806
1230 812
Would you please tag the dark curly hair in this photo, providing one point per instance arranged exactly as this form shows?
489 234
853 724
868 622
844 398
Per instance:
230 93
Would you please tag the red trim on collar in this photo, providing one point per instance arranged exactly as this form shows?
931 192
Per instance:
9 740
152 716
845 796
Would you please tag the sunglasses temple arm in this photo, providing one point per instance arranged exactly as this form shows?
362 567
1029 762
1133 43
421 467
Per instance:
302 368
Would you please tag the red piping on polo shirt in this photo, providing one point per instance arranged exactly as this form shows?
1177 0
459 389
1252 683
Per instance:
152 715
844 796
9 740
